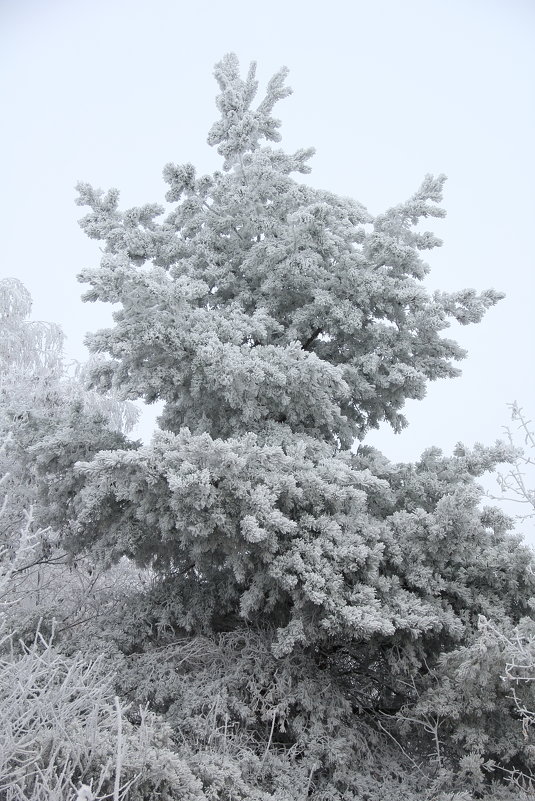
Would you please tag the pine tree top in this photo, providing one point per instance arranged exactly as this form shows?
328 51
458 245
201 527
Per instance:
258 301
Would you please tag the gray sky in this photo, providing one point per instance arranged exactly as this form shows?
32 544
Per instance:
108 92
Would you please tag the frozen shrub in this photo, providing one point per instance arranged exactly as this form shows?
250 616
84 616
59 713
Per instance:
61 724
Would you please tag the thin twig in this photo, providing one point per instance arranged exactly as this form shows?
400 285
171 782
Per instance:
118 764
270 739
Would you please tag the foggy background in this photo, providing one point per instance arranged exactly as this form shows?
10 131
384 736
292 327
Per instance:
387 91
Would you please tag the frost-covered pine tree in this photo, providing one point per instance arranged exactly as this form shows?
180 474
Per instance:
279 323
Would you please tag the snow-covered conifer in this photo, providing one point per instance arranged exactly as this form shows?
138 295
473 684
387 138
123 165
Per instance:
278 323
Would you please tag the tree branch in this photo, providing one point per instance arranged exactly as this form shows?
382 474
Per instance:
315 334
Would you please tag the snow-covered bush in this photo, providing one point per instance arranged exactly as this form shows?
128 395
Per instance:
62 725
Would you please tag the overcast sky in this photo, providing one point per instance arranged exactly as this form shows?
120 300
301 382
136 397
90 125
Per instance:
386 90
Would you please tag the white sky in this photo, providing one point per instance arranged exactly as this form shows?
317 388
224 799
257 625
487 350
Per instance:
386 90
